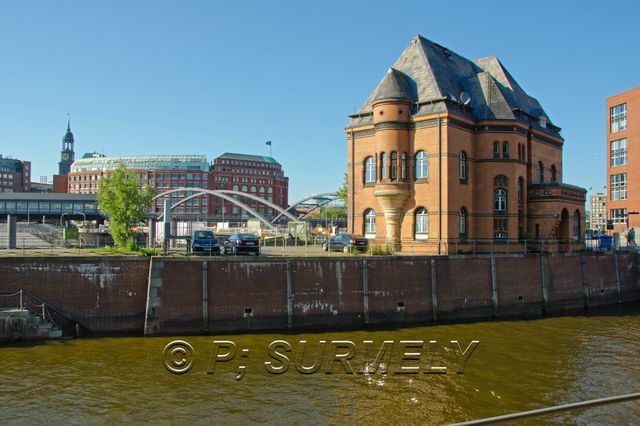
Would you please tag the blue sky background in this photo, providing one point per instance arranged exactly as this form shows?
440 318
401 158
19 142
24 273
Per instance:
206 77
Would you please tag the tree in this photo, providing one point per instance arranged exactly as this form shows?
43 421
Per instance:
329 213
343 192
122 199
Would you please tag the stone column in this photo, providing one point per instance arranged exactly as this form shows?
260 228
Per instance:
11 231
392 201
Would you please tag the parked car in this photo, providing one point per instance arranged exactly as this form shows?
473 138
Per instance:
240 243
205 241
346 243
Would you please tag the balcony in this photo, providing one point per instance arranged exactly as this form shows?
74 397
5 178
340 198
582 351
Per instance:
556 192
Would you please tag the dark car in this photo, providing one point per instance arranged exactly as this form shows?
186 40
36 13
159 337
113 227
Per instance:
205 241
240 243
346 243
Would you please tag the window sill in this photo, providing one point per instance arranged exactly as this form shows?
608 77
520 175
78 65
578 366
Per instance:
464 181
369 184
421 180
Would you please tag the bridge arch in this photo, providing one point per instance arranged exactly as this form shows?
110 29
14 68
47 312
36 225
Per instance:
224 195
302 200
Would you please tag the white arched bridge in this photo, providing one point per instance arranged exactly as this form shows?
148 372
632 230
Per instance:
227 194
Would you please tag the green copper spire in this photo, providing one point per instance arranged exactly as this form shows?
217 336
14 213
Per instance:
68 136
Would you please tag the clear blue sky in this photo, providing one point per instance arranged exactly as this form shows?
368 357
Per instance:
205 77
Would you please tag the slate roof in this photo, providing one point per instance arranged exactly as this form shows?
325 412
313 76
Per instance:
436 77
394 85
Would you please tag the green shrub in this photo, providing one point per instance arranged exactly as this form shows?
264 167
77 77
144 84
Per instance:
380 250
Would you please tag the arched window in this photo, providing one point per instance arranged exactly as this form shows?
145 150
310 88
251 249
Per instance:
500 200
421 224
496 149
262 189
576 225
505 149
520 189
403 167
394 166
383 166
369 170
370 223
540 172
270 190
422 166
500 181
554 177
235 187
253 189
462 227
244 188
463 166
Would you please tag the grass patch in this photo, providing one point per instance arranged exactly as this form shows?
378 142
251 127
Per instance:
123 251
380 250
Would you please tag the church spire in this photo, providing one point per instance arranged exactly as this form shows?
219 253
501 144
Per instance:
67 154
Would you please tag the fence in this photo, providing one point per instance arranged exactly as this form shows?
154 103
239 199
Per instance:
25 300
40 239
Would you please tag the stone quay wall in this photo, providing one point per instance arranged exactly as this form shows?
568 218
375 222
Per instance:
164 296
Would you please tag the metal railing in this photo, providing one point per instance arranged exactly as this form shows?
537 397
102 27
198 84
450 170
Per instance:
549 410
26 300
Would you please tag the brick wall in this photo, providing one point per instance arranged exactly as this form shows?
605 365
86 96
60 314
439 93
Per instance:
234 294
103 295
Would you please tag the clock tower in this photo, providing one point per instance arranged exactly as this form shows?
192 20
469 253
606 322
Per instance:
67 155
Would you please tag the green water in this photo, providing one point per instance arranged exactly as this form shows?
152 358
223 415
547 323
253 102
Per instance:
518 365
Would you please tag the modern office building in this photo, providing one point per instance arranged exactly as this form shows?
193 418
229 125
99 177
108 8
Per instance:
623 159
447 151
15 175
252 174
35 206
161 172
598 212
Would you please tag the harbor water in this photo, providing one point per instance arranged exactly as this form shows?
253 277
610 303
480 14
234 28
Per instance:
516 366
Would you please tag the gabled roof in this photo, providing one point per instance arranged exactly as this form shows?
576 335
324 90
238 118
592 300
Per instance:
436 78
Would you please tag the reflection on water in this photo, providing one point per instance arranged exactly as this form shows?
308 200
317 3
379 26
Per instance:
519 365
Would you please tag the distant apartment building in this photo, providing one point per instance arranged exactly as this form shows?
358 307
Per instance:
623 159
161 172
252 174
41 187
15 175
598 211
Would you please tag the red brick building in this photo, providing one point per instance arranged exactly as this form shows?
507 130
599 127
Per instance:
623 159
15 175
252 174
448 152
161 172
